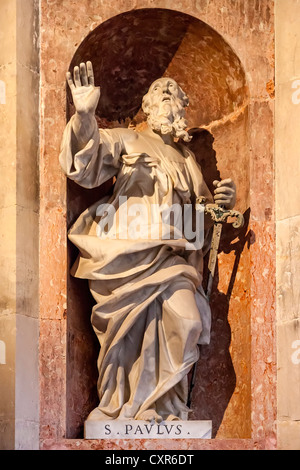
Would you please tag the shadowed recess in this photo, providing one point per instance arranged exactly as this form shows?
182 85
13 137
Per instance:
133 49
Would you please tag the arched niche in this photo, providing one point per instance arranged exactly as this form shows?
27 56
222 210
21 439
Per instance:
128 52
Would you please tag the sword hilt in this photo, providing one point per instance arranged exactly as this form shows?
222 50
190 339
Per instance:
220 215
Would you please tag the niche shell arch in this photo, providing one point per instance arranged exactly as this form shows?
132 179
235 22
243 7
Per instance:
128 52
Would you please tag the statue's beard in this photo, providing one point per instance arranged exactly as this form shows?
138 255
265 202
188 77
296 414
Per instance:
168 118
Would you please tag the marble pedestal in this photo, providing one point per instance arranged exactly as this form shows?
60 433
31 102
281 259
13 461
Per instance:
135 429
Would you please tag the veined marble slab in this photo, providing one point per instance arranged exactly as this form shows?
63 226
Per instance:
134 429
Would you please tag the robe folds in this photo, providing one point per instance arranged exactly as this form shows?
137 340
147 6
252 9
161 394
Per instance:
146 347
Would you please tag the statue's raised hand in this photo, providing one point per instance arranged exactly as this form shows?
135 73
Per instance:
85 94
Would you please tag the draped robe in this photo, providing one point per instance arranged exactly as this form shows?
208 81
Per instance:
128 278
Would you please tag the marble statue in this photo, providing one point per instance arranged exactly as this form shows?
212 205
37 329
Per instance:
151 311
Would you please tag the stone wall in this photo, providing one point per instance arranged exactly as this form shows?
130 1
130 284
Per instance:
287 165
19 196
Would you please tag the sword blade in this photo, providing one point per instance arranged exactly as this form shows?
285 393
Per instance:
213 256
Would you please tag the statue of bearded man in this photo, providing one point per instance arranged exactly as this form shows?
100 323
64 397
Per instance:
150 309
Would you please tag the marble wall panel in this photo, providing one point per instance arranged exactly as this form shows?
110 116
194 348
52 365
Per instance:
26 385
7 408
287 148
28 35
288 263
7 135
19 221
27 131
289 435
161 445
287 169
263 331
8 222
262 191
288 48
288 335
52 379
8 31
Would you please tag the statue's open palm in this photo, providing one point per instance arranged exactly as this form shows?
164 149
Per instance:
85 94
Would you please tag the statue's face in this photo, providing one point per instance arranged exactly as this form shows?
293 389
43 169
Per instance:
164 106
163 93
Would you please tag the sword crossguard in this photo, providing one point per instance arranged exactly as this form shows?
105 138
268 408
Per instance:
220 215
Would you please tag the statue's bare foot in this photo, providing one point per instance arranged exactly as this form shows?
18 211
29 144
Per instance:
150 415
172 418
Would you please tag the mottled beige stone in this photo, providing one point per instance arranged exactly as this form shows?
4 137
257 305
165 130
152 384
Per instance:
288 435
8 221
7 333
28 35
287 110
287 166
287 40
8 9
19 122
287 172
288 268
27 132
288 346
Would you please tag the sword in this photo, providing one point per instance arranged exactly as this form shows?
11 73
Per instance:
219 215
